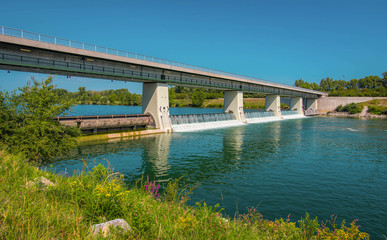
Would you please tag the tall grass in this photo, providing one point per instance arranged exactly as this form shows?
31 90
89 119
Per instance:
68 209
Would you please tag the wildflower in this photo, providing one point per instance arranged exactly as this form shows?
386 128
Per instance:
108 195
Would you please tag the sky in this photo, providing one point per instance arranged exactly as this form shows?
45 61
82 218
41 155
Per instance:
273 40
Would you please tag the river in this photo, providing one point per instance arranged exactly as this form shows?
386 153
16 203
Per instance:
318 165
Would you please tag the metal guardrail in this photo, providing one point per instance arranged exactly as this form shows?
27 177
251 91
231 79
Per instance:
95 48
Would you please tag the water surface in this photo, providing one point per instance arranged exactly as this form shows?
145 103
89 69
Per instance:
322 166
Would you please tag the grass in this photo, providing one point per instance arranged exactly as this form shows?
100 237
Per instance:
68 209
376 106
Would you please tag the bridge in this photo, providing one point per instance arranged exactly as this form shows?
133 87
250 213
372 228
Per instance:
32 52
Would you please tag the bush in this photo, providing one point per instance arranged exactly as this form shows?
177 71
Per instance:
339 108
352 108
377 110
27 123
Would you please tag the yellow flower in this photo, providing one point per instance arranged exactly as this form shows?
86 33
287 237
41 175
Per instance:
108 195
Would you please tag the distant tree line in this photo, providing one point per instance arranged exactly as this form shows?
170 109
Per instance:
106 97
370 86
199 95
123 97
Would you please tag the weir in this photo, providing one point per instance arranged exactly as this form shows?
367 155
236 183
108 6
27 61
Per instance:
190 122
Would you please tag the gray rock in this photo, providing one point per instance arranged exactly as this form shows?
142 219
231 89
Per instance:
41 182
104 228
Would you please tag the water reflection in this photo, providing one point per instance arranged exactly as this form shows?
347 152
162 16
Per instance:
232 143
155 155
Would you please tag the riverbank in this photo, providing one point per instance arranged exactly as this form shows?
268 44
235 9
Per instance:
373 109
358 115
67 208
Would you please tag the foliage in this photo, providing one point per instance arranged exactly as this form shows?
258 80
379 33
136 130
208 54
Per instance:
376 106
369 86
352 108
27 123
377 110
198 97
106 97
67 210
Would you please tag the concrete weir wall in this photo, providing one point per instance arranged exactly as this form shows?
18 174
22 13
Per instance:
326 104
233 102
156 103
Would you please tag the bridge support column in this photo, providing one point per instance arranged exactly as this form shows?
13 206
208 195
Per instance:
311 106
296 104
233 102
273 104
155 102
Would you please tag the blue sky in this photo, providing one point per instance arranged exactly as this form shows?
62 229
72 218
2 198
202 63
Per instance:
279 41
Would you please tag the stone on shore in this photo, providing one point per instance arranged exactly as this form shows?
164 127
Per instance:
104 228
41 182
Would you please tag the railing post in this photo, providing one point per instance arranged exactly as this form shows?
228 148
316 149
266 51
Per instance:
2 30
54 39
39 37
69 43
22 35
83 46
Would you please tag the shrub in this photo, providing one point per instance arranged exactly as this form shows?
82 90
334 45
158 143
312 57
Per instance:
377 110
27 123
352 108
339 108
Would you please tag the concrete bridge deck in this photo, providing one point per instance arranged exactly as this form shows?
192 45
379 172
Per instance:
31 52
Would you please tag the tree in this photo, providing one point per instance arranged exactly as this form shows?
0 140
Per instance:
353 84
172 97
34 131
385 79
198 97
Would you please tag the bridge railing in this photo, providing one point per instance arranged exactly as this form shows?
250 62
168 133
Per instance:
95 48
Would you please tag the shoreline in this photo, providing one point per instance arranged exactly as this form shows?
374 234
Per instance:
357 115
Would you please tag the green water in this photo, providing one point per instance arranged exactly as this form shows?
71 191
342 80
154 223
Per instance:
322 166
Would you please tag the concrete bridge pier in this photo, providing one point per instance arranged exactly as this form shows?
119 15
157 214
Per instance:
233 102
311 107
296 105
155 102
273 104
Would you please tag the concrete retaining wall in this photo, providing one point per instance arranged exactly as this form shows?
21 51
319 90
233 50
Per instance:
326 104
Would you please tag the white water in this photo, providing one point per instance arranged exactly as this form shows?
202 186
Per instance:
197 122
263 119
205 125
294 116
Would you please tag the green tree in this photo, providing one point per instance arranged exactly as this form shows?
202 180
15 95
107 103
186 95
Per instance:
172 96
30 114
385 79
198 97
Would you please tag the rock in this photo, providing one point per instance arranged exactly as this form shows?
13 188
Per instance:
104 228
41 182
